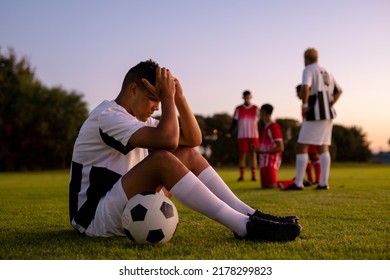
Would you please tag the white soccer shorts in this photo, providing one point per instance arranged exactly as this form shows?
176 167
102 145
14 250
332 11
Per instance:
108 216
316 132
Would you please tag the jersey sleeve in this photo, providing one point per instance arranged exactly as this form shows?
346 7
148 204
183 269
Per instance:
307 78
118 125
276 132
236 114
257 114
152 122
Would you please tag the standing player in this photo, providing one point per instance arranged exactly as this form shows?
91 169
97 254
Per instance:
246 116
319 92
122 151
271 148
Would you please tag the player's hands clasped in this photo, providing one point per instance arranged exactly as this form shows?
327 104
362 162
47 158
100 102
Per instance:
165 84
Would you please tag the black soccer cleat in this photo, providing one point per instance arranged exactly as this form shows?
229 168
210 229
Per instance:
307 183
279 219
293 187
263 230
319 187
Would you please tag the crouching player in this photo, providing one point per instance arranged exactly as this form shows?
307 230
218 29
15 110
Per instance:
270 150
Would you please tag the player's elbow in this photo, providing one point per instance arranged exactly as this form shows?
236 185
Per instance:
190 143
169 143
197 141
280 147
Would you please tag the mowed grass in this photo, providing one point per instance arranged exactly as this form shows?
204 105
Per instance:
350 221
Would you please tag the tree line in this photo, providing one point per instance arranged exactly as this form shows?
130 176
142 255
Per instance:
38 125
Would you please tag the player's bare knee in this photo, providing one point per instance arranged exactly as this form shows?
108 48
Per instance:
188 155
165 159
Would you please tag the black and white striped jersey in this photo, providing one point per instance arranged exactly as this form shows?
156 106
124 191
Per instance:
101 155
322 89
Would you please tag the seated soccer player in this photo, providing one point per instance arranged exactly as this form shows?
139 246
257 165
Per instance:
121 150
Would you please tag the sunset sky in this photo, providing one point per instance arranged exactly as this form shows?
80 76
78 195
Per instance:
217 49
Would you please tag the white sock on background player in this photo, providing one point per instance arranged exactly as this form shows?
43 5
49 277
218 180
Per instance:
325 168
301 164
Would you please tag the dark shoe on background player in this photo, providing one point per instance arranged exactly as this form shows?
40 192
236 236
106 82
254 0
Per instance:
263 230
279 219
307 183
319 187
293 187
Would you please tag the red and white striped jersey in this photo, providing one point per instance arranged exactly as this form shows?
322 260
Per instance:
247 117
270 134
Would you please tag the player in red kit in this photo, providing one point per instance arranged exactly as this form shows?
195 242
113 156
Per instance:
246 117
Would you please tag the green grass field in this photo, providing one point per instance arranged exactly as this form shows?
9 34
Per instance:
348 222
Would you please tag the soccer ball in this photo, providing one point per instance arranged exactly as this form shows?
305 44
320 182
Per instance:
150 218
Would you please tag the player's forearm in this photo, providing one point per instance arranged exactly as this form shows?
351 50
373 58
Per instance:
279 148
305 100
190 133
336 97
232 126
168 126
304 93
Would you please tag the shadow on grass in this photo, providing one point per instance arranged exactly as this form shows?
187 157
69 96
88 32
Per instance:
67 245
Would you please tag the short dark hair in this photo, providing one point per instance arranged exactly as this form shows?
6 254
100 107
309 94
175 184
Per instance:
298 88
145 69
268 108
246 93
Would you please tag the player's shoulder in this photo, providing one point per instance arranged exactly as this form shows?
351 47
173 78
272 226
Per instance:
110 113
313 67
113 109
275 125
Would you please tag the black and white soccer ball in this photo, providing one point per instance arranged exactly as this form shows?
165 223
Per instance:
150 218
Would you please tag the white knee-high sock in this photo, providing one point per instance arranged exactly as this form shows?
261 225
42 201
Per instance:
190 191
217 186
300 168
325 161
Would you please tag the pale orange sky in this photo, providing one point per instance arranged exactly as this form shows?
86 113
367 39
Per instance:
216 48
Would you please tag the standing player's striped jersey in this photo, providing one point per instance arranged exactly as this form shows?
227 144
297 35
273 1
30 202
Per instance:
247 117
322 88
270 134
